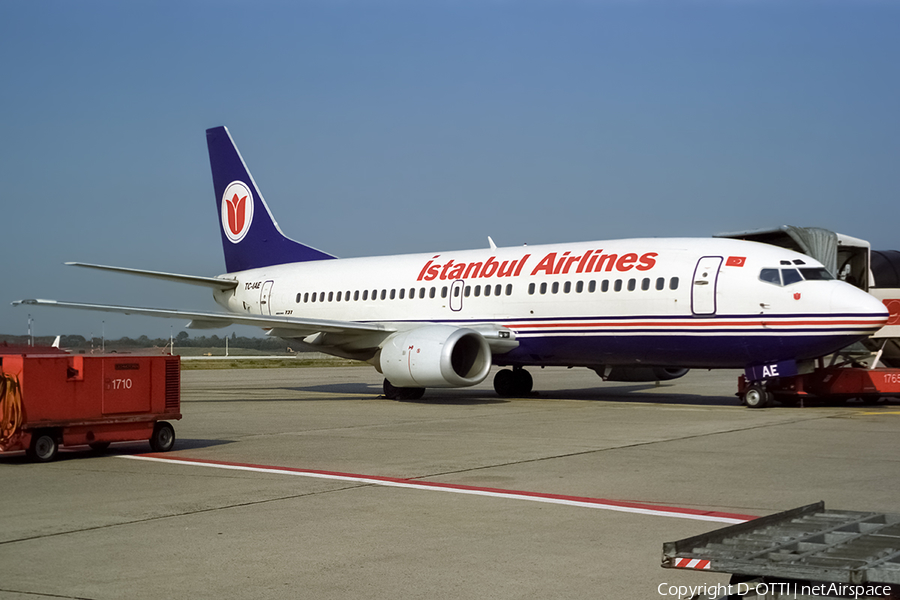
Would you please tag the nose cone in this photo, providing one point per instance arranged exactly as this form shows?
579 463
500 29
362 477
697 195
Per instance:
865 310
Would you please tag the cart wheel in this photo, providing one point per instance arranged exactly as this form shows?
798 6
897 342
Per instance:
44 447
756 396
163 437
99 446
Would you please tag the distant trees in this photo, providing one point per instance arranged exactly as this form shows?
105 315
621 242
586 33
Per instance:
183 340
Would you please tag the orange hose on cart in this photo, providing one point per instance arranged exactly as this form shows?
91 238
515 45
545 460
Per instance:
10 408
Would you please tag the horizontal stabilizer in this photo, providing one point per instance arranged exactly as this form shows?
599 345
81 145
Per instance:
211 282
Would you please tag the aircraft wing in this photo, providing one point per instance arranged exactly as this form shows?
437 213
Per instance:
201 320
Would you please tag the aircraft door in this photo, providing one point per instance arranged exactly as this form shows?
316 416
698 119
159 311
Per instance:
456 295
703 286
264 296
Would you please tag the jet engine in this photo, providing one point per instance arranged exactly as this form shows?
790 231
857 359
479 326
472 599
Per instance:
434 356
640 373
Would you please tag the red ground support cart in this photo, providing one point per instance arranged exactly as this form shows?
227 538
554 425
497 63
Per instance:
49 398
849 380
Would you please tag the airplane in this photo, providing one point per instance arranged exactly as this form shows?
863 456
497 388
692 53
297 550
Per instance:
643 309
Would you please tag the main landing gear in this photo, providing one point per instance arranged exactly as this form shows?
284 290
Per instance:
513 382
391 392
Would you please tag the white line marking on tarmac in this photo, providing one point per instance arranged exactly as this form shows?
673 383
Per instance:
600 503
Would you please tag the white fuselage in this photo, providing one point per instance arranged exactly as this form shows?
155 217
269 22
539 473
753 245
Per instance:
667 301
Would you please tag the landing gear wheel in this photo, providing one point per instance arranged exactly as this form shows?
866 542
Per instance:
504 383
516 382
523 382
392 392
44 447
163 437
756 396
411 393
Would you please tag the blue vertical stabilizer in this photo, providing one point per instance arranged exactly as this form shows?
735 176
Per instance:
250 236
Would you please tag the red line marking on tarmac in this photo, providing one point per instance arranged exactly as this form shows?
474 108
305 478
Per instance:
601 503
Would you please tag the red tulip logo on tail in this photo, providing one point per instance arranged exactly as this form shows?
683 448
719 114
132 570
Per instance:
237 211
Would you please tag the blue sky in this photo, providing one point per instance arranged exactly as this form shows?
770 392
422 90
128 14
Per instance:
381 127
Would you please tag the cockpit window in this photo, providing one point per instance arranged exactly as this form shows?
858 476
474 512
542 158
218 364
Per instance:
816 274
770 276
781 277
789 276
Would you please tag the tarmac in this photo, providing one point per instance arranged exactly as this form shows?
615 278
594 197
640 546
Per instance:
307 483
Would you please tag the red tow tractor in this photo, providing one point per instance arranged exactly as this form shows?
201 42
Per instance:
845 378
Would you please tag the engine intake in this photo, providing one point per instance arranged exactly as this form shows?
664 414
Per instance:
435 356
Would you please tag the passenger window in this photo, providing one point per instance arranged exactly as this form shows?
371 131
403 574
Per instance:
673 283
555 288
339 297
770 276
456 292
478 290
384 294
567 287
421 293
604 287
660 283
789 276
579 287
632 283
444 292
431 292
402 293
543 288
618 285
497 289
365 295
645 284
592 286
531 289
356 295
508 289
487 290
468 290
